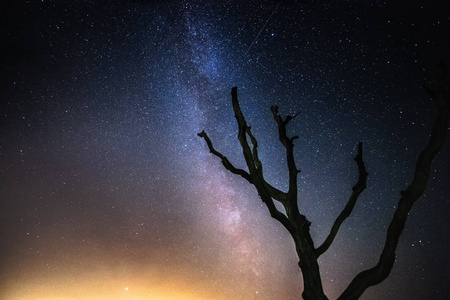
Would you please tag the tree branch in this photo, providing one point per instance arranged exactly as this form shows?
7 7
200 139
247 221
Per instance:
357 189
415 190
256 161
242 133
265 190
276 214
289 145
266 195
274 192
226 163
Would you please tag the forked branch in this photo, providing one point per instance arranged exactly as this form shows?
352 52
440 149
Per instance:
255 175
357 189
289 145
415 190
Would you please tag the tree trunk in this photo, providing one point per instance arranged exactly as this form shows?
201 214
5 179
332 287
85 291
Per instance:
312 282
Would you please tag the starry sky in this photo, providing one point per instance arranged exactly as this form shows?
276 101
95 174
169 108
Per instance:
107 192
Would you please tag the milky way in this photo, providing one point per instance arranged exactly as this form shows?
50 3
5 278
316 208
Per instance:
107 192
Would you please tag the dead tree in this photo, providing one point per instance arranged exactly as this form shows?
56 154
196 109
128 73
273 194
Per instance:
298 225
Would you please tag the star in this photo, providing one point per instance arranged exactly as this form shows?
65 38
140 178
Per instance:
100 110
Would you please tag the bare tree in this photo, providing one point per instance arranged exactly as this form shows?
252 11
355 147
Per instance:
298 225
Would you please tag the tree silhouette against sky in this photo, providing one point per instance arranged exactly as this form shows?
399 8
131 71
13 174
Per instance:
298 225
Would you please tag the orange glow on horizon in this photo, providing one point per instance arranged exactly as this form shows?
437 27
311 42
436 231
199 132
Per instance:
107 289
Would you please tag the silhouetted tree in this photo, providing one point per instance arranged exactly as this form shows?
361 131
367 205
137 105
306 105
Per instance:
298 225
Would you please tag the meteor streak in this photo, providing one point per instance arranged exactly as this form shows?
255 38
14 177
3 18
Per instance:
259 33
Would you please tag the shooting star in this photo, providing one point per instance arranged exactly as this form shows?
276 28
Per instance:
251 45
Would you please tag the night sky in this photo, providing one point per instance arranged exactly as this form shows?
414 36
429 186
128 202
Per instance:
107 192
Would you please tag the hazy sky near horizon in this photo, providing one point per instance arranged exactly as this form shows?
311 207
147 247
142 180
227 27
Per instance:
107 192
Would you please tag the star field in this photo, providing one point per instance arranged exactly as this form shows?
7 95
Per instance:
107 192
